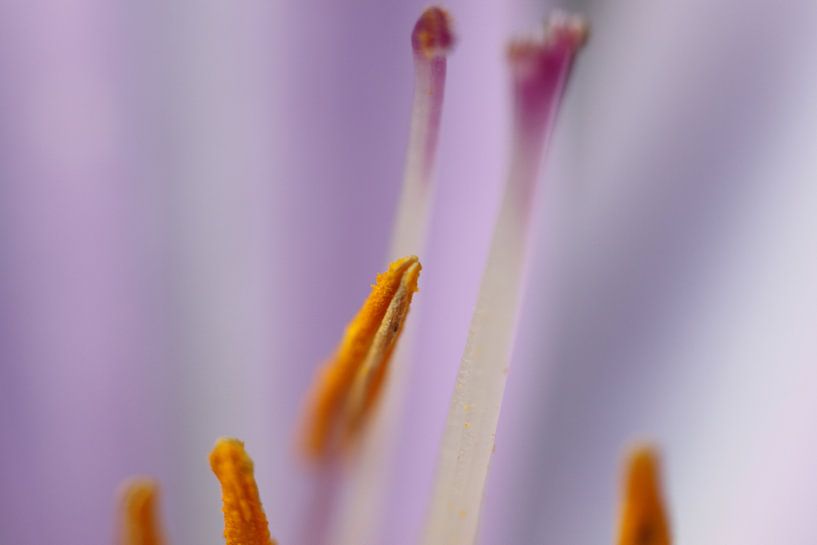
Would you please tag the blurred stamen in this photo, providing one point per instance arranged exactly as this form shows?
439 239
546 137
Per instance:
244 520
539 69
643 520
139 513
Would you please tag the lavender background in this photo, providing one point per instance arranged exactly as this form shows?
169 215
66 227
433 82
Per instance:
194 197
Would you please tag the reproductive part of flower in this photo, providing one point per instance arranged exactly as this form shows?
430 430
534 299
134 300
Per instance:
431 41
347 388
432 34
244 520
540 65
643 519
139 524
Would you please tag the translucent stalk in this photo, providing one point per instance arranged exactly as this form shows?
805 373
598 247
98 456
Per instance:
539 69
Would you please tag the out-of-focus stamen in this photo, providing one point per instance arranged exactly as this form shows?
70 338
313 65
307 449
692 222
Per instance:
432 35
539 69
349 385
139 523
643 520
244 520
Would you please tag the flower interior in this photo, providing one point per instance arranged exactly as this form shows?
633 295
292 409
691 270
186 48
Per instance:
347 390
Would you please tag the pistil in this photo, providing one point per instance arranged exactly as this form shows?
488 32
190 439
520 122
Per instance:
139 523
539 69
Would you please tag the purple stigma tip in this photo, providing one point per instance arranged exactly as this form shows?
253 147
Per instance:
432 35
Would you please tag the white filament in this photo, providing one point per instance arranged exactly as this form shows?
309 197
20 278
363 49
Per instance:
369 473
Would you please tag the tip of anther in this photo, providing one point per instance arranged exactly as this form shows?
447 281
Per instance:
138 498
432 35
643 516
228 448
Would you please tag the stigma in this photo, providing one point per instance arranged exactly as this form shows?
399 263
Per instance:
432 35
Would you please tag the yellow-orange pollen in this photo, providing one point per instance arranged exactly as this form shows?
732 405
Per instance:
347 388
643 520
244 520
139 513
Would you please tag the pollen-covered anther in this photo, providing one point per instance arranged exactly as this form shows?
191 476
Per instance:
432 35
643 519
348 386
244 520
139 519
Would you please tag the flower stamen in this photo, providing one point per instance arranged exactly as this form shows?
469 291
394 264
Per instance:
244 520
643 520
348 386
139 513
539 70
